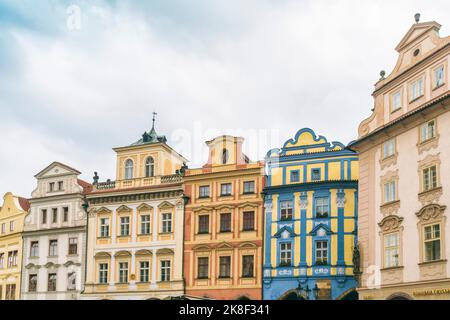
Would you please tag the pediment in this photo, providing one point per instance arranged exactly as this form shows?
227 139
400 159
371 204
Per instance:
285 232
102 255
416 31
124 208
50 265
165 205
202 208
103 210
144 207
321 230
122 253
224 246
32 266
247 245
143 252
57 169
202 247
248 204
165 251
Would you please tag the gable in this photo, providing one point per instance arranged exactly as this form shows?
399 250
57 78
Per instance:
57 169
416 31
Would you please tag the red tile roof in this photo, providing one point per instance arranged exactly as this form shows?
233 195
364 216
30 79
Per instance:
87 187
24 203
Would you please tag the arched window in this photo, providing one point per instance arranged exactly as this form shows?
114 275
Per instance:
129 169
225 156
149 167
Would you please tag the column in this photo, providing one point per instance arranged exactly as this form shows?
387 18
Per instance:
303 210
340 203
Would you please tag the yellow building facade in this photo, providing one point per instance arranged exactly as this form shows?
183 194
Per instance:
12 215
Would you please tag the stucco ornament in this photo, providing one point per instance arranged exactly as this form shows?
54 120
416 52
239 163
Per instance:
390 223
430 212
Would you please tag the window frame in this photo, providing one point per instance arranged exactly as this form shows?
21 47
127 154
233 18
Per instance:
166 222
285 254
432 240
324 253
128 169
287 213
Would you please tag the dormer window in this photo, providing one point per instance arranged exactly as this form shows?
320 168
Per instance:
149 167
129 169
225 156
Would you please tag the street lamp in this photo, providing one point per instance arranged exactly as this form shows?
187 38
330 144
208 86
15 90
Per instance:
316 291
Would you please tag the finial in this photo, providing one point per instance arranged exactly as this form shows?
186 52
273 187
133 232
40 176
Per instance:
382 74
417 17
154 117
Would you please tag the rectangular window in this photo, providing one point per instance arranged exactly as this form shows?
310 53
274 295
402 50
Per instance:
51 284
53 248
416 89
10 292
44 216
71 281
225 267
124 226
165 270
145 224
11 226
103 273
432 239
123 272
396 101
65 214
429 178
247 266
2 260
225 189
3 228
73 246
32 283
321 252
438 76
285 254
322 207
388 148
389 192
295 176
286 210
249 187
60 185
225 222
204 192
54 215
51 186
203 267
428 131
166 222
391 250
203 224
12 259
34 249
249 220
144 271
315 174
104 227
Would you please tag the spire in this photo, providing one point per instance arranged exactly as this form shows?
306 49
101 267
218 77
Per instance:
151 136
154 118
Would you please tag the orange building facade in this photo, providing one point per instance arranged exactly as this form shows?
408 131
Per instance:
223 224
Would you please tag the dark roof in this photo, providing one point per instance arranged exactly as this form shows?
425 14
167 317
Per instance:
24 203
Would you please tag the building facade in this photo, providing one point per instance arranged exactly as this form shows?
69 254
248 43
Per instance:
54 236
404 161
223 224
12 215
135 228
310 219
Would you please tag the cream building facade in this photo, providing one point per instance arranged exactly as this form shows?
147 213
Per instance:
135 228
54 236
404 193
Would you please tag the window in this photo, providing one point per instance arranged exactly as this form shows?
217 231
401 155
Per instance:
321 252
388 148
149 167
104 227
295 176
54 215
165 270
11 226
166 222
51 186
391 250
65 214
322 207
315 174
396 101
10 292
225 156
124 226
73 246
225 189
129 169
432 243
203 224
429 178
123 272
249 187
249 220
53 248
247 266
3 228
204 192
145 224
286 210
285 254
144 271
34 249
12 259
2 260
44 216
103 273
389 192
51 284
202 272
60 185
32 283
428 131
71 281
416 89
438 76
225 267
225 222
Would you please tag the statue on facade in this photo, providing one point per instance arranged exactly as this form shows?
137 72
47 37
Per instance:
96 177
356 262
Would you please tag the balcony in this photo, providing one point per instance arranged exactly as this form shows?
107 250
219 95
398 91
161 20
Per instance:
138 182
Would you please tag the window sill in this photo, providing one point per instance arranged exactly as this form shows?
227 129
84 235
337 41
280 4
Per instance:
425 142
396 110
225 231
389 204
144 234
225 195
438 86
248 277
165 233
124 236
203 233
224 278
426 192
248 193
248 230
208 197
426 263
122 283
416 99
103 237
392 268
202 278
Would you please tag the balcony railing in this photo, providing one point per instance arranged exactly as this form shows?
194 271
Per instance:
138 182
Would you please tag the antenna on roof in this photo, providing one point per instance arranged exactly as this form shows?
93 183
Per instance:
417 17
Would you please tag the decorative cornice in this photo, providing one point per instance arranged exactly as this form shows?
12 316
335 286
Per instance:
390 223
431 212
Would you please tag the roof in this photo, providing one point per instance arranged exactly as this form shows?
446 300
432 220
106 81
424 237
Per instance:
87 187
24 204
59 164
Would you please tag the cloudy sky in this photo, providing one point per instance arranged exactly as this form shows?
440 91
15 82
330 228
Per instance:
78 78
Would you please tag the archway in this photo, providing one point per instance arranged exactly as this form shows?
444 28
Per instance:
350 294
291 295
399 296
243 298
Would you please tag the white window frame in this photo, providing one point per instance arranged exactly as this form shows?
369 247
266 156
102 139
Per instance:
123 272
165 270
125 226
390 191
428 131
286 253
391 250
389 148
166 222
417 89
104 227
432 239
